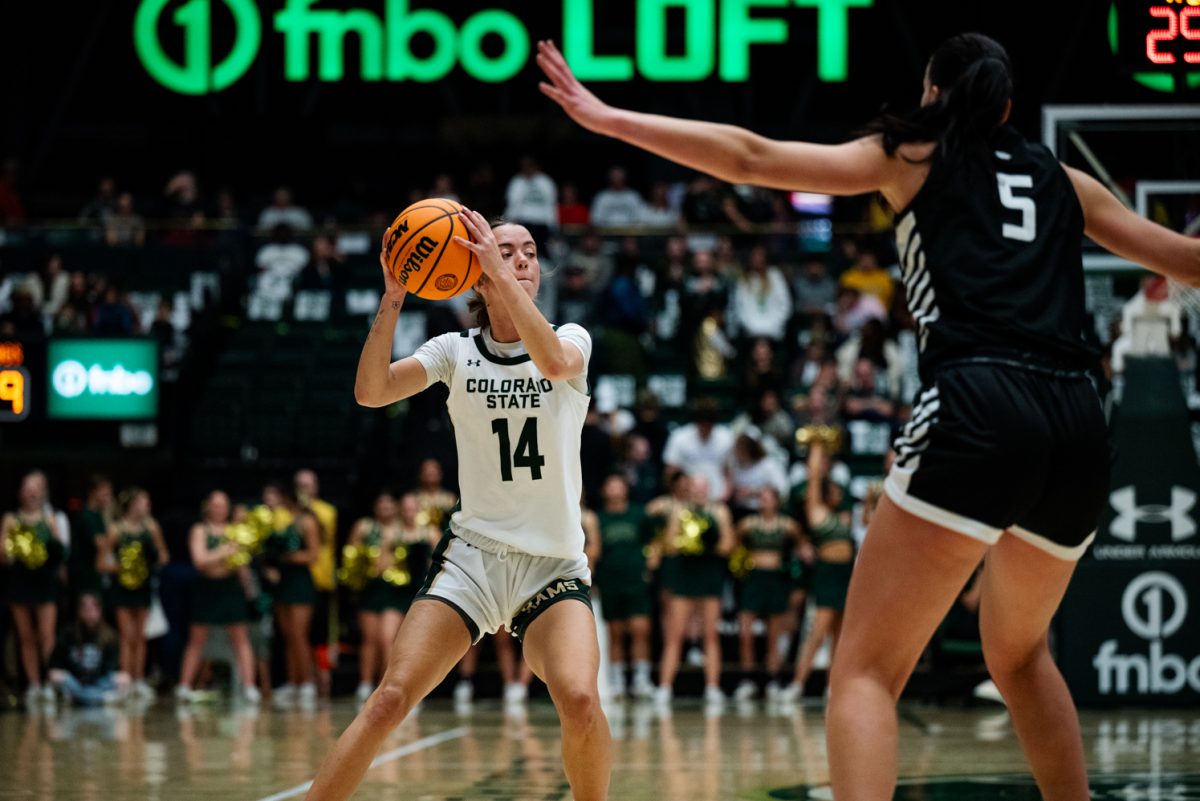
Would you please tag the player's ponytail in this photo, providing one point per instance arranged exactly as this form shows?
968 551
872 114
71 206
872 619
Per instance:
974 78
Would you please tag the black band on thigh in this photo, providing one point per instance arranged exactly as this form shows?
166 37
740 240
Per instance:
471 627
437 561
552 593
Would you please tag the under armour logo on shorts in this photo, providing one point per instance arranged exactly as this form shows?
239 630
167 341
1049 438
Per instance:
1129 514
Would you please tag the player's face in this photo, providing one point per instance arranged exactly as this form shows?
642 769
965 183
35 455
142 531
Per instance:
518 249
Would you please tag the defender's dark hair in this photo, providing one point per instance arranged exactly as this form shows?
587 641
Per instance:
974 76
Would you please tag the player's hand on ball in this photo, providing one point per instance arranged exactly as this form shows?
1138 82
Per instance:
392 289
482 243
566 90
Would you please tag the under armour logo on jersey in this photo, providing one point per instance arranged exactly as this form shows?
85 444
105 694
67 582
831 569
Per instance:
474 362
1129 514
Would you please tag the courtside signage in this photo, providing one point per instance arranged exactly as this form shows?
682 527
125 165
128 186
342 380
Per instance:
717 38
95 379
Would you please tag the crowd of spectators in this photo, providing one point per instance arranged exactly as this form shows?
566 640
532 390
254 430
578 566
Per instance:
55 301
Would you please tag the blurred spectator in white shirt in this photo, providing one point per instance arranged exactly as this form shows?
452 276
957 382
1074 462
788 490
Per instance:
762 303
854 308
701 448
617 206
282 212
532 199
49 287
751 469
659 212
279 262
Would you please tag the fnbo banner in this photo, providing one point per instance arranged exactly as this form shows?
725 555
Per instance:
92 379
390 40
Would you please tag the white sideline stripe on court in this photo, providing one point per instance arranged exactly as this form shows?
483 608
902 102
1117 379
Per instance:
395 753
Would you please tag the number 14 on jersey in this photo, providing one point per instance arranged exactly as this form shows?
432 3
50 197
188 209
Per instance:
526 455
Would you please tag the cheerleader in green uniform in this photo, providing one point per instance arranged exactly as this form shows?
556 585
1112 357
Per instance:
218 597
700 535
31 585
830 533
403 562
660 563
94 523
290 551
435 501
621 579
370 533
770 540
131 552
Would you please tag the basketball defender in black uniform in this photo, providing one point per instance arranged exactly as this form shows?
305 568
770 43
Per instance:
1006 455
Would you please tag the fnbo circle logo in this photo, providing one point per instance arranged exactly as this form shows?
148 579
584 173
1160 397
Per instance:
491 45
196 75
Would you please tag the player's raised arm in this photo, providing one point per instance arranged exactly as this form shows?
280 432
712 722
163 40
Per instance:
1121 231
378 380
726 151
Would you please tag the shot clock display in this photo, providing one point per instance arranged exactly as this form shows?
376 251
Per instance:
1158 41
14 383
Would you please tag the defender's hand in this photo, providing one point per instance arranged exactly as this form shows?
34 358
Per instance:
566 90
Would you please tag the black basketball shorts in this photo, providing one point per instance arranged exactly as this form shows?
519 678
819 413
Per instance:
996 445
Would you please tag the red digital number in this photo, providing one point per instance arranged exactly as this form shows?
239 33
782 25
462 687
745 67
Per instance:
1193 34
1156 36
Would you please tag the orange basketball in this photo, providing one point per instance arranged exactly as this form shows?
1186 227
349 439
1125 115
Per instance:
421 252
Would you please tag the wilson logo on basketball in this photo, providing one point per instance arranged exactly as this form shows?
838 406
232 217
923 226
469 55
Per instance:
444 283
420 252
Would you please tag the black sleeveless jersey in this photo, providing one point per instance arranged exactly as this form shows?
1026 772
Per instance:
991 258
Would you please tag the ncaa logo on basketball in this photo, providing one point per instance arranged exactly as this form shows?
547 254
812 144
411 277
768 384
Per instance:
1154 607
445 282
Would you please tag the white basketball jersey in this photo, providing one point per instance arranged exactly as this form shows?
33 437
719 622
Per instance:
517 435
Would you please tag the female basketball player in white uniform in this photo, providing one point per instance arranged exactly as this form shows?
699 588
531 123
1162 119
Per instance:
513 555
1007 453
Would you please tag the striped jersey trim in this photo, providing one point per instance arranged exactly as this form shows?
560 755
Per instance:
914 439
915 275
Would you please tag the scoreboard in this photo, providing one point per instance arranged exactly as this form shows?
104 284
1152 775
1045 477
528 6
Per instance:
14 383
1158 42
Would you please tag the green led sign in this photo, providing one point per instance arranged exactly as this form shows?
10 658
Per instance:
717 40
94 379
